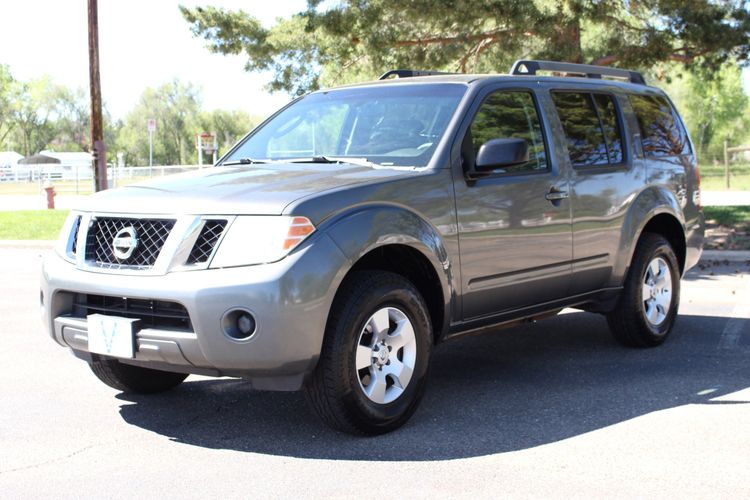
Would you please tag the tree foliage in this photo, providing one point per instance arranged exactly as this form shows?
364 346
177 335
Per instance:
39 114
358 39
714 107
176 107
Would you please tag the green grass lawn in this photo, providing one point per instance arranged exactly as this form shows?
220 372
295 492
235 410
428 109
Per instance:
713 177
31 224
728 216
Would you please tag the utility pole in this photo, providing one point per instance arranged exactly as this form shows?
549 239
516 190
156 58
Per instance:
97 127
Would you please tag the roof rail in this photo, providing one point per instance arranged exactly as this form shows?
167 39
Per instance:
407 73
530 67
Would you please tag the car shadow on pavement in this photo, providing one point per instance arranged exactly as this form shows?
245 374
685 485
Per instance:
496 392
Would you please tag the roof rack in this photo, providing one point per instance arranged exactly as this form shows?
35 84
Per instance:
407 73
530 67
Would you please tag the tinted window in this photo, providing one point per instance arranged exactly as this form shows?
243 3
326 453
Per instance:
661 132
605 104
511 115
591 127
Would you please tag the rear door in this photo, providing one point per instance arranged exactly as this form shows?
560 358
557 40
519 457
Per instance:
514 223
604 179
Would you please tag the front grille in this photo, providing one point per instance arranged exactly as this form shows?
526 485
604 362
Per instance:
160 314
151 235
204 245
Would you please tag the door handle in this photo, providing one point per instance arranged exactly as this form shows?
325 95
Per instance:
555 194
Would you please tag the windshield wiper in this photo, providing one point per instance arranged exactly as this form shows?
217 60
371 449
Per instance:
244 161
362 162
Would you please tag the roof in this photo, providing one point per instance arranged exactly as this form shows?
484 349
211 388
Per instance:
68 157
38 159
471 78
9 157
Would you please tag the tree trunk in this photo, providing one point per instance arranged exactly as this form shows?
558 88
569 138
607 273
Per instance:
566 41
182 151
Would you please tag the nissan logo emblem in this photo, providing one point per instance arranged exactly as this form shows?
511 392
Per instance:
124 243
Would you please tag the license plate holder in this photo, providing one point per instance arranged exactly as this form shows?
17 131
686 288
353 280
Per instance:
112 335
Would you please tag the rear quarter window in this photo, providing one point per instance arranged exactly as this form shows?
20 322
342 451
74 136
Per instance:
662 133
591 126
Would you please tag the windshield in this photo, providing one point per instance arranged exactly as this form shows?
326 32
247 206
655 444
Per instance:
391 125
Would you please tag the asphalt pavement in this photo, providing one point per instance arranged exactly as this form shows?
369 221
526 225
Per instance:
553 409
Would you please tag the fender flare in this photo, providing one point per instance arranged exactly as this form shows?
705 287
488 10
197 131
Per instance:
649 203
360 231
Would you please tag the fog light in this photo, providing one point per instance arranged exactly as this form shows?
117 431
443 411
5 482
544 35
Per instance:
239 324
246 324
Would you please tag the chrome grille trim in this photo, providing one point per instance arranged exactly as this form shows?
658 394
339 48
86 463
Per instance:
73 248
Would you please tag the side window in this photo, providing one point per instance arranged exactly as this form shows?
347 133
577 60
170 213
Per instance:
511 114
605 104
591 128
661 133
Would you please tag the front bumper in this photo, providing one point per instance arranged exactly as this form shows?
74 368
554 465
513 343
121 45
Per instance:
290 300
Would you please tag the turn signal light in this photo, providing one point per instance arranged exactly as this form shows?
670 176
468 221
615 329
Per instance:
299 229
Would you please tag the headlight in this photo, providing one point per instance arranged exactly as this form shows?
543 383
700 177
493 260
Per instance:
260 240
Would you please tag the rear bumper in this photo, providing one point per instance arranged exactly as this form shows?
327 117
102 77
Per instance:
290 300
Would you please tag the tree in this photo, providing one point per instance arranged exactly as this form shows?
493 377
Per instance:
35 111
7 103
229 126
714 106
357 38
72 124
175 107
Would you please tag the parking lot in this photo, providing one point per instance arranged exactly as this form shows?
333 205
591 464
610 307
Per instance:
553 409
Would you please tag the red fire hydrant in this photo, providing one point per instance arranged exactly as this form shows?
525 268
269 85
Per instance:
50 194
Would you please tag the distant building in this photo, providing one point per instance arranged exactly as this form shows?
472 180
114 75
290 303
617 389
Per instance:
54 165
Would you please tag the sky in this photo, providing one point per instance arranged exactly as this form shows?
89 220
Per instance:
142 43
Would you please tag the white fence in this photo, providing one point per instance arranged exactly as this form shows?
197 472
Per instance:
80 179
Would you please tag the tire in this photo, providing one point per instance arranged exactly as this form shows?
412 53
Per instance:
134 379
375 357
647 308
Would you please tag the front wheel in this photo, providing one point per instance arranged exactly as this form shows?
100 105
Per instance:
647 308
373 365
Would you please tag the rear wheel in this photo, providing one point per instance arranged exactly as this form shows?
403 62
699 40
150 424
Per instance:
134 379
647 308
373 365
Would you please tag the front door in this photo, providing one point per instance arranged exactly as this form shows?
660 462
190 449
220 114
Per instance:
514 223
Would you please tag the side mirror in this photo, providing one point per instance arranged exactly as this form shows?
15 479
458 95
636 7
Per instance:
498 153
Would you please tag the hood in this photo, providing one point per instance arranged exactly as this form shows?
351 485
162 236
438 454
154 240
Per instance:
264 189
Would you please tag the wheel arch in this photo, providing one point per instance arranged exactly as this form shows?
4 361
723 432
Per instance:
665 224
389 238
655 210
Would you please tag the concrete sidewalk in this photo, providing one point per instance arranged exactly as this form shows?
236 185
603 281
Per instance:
725 198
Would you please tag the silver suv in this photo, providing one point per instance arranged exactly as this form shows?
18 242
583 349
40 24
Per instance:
360 226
